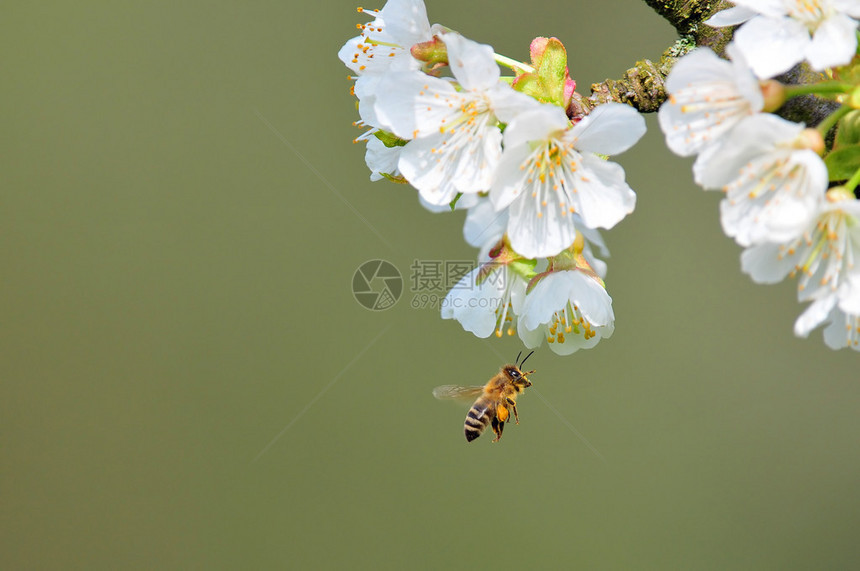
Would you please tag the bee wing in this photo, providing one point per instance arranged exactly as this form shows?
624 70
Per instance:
456 392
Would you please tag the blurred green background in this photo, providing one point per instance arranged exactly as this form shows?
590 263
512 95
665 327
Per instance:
188 381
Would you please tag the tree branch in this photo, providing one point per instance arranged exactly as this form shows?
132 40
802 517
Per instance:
644 86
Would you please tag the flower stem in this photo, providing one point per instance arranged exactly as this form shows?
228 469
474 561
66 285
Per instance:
826 88
853 181
515 65
829 121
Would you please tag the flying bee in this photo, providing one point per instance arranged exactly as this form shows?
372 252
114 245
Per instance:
494 401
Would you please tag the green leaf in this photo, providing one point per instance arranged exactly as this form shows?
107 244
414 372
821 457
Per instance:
843 162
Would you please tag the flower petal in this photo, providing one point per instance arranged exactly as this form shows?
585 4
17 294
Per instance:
531 338
766 263
843 331
850 7
483 223
472 305
463 203
772 45
536 124
572 344
537 232
591 298
411 104
381 159
509 104
466 165
509 177
777 201
406 21
609 129
758 134
814 315
708 96
730 17
473 64
773 8
834 42
549 295
601 196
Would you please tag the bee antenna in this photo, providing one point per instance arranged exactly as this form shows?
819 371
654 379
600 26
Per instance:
517 362
524 360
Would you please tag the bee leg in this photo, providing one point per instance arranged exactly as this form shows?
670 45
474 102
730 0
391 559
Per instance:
513 404
498 427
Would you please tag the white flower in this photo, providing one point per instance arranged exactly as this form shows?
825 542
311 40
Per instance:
782 33
486 299
592 238
773 185
824 255
465 202
456 137
385 42
384 47
484 225
707 97
568 308
381 160
549 171
365 91
843 329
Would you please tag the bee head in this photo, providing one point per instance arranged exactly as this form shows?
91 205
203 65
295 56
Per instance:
517 377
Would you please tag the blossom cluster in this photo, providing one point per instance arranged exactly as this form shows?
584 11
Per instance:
789 201
532 175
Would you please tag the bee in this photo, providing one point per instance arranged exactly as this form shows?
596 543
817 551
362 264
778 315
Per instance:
494 401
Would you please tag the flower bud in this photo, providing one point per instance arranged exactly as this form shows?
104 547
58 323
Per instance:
838 193
773 93
810 139
434 53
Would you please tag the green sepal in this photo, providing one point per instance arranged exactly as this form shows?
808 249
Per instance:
843 162
535 279
453 203
848 132
532 85
400 179
389 139
550 82
485 271
524 268
521 266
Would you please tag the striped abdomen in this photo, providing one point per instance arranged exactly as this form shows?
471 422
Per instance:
478 418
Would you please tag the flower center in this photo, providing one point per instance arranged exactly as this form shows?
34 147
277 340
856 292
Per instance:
810 13
828 253
566 321
550 170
